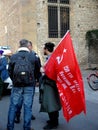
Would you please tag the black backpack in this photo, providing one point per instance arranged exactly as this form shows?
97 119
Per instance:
22 73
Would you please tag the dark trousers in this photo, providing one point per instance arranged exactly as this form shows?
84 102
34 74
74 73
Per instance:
53 116
1 87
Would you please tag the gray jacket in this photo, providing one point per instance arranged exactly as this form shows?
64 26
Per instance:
49 97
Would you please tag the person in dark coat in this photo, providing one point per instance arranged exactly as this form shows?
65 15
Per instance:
49 97
3 72
37 75
20 90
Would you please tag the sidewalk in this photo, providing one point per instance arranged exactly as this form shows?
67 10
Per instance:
79 122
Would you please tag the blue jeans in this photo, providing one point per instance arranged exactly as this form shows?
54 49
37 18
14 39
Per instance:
26 95
19 107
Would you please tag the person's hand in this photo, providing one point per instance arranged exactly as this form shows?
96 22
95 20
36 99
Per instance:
37 84
42 70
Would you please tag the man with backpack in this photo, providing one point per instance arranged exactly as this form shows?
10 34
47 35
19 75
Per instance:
37 75
21 70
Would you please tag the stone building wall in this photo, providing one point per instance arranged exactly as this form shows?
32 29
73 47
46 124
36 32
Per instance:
84 17
18 21
29 19
10 17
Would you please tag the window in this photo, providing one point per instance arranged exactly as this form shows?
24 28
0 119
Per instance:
64 1
58 18
53 21
61 1
64 20
52 1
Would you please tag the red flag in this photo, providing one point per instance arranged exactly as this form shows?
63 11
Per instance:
63 67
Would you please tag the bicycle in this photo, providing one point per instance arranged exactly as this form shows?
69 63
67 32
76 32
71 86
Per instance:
92 79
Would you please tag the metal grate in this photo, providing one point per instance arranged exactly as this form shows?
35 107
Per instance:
64 20
52 1
53 21
64 1
61 1
58 19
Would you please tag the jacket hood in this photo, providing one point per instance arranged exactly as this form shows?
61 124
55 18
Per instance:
23 49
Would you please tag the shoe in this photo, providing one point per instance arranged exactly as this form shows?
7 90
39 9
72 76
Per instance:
17 120
32 129
48 121
33 117
50 126
0 97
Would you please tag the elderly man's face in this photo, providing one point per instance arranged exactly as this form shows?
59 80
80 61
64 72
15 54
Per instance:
30 47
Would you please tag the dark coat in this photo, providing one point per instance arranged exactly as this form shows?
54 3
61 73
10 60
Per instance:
3 71
49 97
13 60
37 72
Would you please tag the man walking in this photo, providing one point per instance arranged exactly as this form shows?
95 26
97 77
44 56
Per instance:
23 83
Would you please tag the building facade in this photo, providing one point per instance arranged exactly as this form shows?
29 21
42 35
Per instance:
48 20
